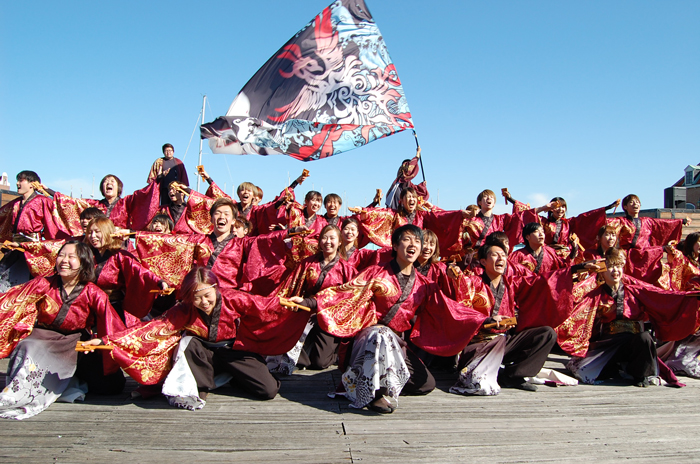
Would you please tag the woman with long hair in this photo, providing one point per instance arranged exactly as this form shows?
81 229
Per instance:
188 365
127 282
49 316
316 349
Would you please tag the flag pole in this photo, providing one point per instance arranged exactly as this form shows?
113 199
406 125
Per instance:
420 160
199 178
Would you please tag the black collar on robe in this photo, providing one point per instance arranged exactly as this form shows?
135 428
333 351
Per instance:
22 204
487 220
212 320
637 228
406 284
619 298
218 247
538 258
350 252
176 211
424 268
68 300
324 272
497 292
108 205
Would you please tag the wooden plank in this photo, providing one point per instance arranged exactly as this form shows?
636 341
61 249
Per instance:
584 423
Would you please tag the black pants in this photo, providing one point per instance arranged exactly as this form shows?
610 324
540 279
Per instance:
525 354
90 370
527 351
638 351
421 381
249 370
320 349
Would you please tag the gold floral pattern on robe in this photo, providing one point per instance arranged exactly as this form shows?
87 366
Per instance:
683 274
197 214
347 308
41 256
170 257
145 353
67 211
574 333
19 308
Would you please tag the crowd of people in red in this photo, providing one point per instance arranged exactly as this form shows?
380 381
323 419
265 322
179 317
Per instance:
185 292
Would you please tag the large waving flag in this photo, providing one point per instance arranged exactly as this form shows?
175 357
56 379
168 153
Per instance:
331 88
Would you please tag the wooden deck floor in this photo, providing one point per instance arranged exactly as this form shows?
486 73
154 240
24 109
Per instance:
566 424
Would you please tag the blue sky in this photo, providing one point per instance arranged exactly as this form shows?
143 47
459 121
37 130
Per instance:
586 100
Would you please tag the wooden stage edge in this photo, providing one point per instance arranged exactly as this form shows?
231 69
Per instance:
586 423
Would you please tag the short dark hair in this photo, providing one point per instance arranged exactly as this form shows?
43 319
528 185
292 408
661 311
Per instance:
311 195
29 176
87 261
484 193
615 257
629 198
91 213
406 191
221 202
529 228
484 249
401 231
120 184
243 222
496 237
162 219
332 196
168 145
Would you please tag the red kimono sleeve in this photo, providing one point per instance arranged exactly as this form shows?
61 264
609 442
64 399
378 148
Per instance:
215 192
574 334
646 265
170 257
444 327
684 276
144 351
18 311
674 315
7 215
139 207
266 327
586 226
264 262
377 225
41 256
107 321
262 217
68 210
544 300
346 309
40 215
197 217
124 271
664 231
448 226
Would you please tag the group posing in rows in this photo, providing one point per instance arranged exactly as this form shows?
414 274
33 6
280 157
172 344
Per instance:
186 292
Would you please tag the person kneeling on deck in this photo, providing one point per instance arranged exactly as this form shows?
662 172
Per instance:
204 358
375 308
522 354
612 308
